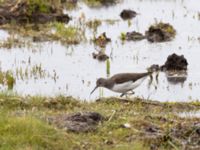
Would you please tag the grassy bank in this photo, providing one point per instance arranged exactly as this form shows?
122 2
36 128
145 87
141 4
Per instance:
128 124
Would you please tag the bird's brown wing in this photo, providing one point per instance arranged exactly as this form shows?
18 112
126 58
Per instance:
124 77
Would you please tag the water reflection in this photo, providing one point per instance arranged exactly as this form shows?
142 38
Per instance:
176 77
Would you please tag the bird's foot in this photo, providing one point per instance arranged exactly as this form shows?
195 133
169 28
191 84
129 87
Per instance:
131 93
122 94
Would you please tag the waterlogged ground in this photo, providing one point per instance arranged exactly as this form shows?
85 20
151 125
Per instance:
50 68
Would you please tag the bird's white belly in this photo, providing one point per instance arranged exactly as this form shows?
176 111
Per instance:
127 86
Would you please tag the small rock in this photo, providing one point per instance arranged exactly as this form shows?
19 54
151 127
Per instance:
126 125
127 14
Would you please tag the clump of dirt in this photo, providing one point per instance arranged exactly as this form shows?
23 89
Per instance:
79 122
31 12
102 40
160 32
175 62
100 56
134 36
128 14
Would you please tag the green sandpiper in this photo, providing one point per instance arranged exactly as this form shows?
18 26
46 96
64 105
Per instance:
122 82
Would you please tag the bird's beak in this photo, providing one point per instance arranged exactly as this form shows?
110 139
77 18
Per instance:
94 89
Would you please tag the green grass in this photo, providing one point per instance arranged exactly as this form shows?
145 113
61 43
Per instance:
23 124
27 132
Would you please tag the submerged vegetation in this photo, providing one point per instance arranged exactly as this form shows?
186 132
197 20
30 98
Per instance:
68 34
56 31
128 123
7 79
32 72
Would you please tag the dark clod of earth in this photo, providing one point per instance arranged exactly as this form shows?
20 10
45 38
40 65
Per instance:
160 32
134 36
128 14
79 122
175 62
101 56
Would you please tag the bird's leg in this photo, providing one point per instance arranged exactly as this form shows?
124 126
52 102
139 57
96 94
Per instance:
122 94
157 74
132 92
150 81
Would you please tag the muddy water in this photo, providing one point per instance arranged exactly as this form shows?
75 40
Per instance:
71 70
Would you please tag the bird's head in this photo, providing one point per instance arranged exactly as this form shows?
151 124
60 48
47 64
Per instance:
101 82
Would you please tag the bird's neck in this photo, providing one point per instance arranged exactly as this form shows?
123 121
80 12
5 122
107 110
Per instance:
108 84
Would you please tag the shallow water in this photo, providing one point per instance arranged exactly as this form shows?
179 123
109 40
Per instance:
71 70
192 114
